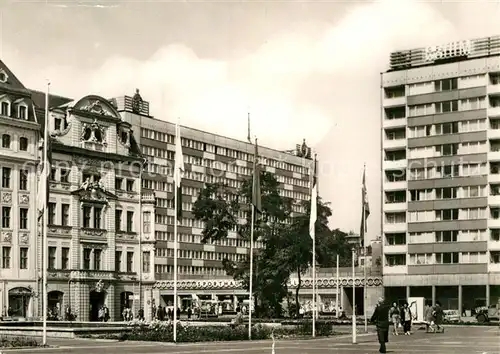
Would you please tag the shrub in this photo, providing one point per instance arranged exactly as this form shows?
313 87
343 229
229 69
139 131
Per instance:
16 342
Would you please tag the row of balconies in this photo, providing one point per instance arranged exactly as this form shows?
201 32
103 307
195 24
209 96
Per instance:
403 269
398 249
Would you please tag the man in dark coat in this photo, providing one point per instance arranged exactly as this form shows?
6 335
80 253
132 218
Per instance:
381 319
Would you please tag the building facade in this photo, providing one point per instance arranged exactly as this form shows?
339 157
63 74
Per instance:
208 158
440 174
18 157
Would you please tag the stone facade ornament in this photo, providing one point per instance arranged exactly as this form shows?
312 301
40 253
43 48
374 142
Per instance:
99 286
7 237
24 199
6 197
93 133
96 107
24 238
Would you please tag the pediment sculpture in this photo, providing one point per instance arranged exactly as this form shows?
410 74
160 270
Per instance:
95 106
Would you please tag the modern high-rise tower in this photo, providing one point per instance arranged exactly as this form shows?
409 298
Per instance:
441 174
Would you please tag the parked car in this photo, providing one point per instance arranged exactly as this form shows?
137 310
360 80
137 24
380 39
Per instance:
486 314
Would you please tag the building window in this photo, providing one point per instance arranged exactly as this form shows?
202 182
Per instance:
52 176
6 141
23 218
86 258
396 260
52 214
118 220
130 185
118 261
447 106
130 262
147 222
23 144
6 171
395 239
447 258
446 85
5 257
65 215
97 217
446 236
23 180
97 259
6 217
87 215
64 175
130 221
22 112
52 257
23 258
65 258
118 183
5 109
146 261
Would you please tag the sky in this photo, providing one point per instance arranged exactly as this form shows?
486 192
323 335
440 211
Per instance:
303 69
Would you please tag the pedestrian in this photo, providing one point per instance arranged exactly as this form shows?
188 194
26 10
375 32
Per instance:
437 317
381 319
406 319
395 316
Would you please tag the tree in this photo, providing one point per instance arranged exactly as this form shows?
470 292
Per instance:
218 206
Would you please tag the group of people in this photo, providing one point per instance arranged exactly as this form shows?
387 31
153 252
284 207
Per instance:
401 317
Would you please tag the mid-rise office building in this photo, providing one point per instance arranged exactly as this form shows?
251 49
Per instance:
441 174
208 158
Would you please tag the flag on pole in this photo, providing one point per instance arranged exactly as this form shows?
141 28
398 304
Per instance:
256 194
45 166
314 199
365 209
178 168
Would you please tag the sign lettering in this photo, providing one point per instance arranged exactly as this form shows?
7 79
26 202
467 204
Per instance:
449 50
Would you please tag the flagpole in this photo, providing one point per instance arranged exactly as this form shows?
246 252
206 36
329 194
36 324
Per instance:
177 177
337 290
365 295
45 172
250 297
314 282
353 298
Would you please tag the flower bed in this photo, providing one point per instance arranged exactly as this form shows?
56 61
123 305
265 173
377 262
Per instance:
18 342
158 331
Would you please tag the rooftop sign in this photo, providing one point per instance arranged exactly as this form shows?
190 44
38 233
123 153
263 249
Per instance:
467 49
449 50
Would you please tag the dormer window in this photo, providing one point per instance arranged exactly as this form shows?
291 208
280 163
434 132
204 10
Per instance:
3 76
5 109
22 112
57 123
124 137
93 136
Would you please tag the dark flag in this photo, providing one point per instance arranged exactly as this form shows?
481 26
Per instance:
365 209
256 193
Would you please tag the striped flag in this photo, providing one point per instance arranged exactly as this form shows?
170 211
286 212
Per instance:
314 200
256 193
178 168
365 209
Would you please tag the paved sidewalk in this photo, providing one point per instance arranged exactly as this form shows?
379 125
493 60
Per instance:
476 340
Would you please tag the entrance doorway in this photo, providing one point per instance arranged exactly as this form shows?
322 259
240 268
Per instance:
55 305
96 300
126 301
19 301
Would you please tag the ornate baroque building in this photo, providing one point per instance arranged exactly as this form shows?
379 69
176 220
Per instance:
99 247
18 154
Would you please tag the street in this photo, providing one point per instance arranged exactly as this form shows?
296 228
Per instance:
460 340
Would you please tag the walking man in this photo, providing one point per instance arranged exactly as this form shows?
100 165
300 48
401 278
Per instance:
381 319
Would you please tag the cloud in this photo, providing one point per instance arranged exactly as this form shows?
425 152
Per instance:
312 80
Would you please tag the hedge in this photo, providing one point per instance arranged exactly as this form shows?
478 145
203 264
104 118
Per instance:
18 342
158 331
